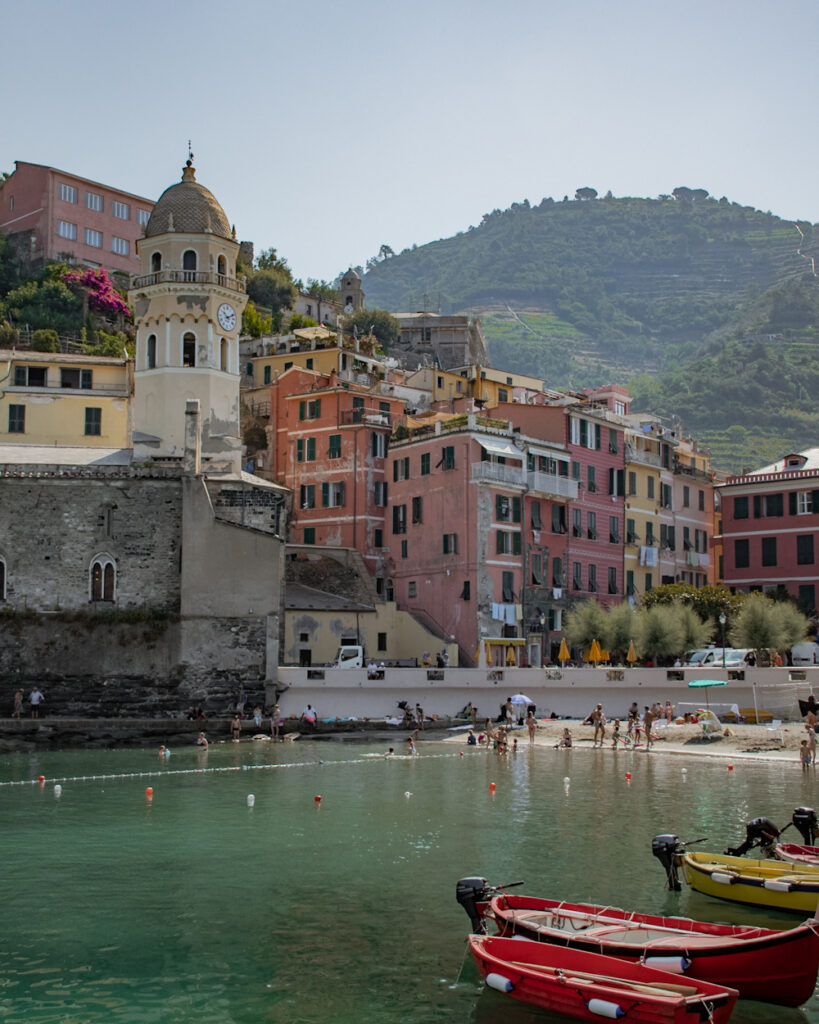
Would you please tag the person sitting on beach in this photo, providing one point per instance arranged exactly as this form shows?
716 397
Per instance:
471 741
565 739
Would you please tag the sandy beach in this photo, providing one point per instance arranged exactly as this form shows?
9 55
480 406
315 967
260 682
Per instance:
737 742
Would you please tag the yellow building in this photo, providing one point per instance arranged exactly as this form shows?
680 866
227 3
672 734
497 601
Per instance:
51 398
648 505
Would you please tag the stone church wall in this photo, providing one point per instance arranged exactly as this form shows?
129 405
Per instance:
52 529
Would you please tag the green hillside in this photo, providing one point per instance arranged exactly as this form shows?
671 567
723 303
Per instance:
672 291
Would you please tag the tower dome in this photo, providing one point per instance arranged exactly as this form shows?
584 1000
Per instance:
188 207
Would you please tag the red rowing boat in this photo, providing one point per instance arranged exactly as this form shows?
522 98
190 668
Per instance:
762 963
795 853
588 986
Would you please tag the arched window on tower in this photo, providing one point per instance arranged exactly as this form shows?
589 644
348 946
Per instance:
221 267
103 578
225 355
189 265
150 361
156 262
188 349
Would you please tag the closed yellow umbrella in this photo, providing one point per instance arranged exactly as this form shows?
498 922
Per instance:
595 654
631 657
563 653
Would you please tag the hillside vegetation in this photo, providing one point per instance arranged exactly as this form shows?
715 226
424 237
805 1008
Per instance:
710 305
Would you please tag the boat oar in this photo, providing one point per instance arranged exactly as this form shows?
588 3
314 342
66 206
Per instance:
661 988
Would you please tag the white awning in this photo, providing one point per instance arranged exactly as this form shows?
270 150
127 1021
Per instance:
504 448
548 453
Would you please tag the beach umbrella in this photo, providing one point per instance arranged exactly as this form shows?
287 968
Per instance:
595 654
631 657
705 684
521 698
563 653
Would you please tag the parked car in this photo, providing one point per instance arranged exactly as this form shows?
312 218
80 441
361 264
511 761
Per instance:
806 653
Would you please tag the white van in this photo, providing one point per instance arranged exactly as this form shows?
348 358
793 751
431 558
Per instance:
806 653
735 657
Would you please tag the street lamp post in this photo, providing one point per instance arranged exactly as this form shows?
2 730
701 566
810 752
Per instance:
722 621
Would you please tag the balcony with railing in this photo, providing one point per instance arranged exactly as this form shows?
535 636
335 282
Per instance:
550 485
368 417
497 473
645 458
188 277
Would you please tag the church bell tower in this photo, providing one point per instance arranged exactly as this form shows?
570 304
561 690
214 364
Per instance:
188 307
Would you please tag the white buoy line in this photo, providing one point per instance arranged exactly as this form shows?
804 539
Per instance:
231 768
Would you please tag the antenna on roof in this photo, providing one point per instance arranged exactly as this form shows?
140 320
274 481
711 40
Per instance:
190 153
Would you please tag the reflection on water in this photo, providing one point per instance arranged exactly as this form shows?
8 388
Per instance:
195 906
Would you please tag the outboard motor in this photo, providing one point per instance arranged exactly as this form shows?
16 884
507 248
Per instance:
666 849
760 832
469 892
804 821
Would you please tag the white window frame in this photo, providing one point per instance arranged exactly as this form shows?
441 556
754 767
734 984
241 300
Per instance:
804 503
143 216
65 229
121 246
122 211
93 238
574 430
68 193
93 201
104 559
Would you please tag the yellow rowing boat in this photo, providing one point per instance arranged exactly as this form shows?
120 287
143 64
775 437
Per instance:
761 883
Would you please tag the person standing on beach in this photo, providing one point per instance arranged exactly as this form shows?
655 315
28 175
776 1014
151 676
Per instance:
236 728
18 704
275 721
648 719
811 743
804 755
599 720
531 725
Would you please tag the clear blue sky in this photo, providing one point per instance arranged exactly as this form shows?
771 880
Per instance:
325 129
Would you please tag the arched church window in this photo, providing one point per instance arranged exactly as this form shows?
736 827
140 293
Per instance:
156 262
103 578
221 266
225 355
188 349
151 358
189 264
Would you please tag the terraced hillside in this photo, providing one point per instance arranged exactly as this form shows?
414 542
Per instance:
586 292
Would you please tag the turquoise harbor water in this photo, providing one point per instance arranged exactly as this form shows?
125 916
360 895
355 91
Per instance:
197 907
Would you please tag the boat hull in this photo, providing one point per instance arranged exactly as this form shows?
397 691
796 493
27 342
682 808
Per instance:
793 853
761 963
566 981
793 888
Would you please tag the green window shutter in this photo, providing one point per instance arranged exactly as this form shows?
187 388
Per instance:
301 410
325 495
757 506
584 432
498 506
515 543
311 449
792 503
516 509
341 495
317 409
406 468
499 542
597 435
300 450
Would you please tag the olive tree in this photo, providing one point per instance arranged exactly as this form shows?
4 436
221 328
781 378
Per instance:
585 623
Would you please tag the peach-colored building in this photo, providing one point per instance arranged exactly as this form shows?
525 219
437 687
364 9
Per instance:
48 214
328 444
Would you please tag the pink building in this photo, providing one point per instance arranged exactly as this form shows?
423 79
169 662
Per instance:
49 214
477 529
594 434
770 528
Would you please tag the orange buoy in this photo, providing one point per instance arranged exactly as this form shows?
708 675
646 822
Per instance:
730 767
317 799
149 793
41 779
492 787
628 776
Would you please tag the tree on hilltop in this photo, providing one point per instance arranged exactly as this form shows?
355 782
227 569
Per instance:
586 193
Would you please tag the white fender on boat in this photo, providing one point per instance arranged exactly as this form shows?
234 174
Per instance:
777 885
603 1008
497 981
672 964
722 878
